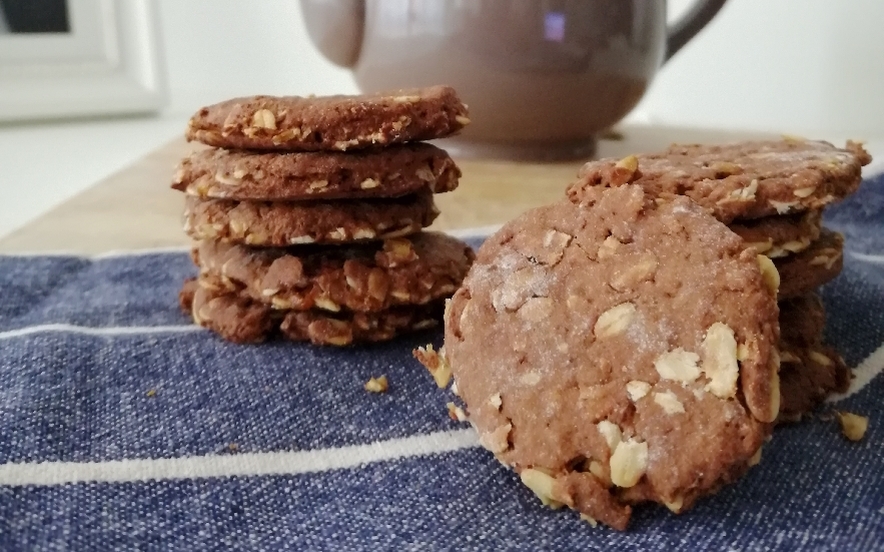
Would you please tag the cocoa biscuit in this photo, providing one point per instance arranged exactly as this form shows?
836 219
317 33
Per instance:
802 320
803 272
185 296
617 351
415 270
809 370
807 376
746 180
239 319
779 236
279 224
390 172
329 123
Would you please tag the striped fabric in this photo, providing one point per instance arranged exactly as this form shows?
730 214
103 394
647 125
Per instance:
122 426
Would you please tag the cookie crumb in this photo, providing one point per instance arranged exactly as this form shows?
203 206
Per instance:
456 413
853 426
377 385
151 393
436 363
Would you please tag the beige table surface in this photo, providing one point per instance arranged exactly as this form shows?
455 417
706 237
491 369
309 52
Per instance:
136 209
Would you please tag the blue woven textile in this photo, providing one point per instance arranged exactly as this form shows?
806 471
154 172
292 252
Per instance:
122 426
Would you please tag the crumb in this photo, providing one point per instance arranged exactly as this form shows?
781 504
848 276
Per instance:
151 393
456 413
233 447
377 385
435 363
853 426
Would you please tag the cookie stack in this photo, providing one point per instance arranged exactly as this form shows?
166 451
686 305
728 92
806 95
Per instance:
627 345
307 216
770 193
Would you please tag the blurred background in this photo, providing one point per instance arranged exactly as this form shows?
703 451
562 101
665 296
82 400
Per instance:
808 67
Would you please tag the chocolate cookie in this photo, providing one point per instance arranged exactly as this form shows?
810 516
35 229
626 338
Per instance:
280 224
803 272
617 351
809 370
807 376
738 181
329 123
802 320
389 172
415 270
780 236
239 319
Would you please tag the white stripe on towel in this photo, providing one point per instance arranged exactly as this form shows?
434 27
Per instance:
105 331
242 465
863 374
877 259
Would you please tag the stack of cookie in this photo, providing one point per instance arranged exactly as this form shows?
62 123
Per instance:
771 194
307 216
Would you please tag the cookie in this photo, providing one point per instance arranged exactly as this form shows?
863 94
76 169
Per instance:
803 272
390 172
802 320
779 236
617 351
809 370
279 224
329 123
746 180
807 376
415 270
239 319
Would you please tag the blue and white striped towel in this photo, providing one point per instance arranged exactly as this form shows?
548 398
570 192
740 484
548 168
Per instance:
122 426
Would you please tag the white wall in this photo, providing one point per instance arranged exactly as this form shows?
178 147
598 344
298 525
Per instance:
810 67
799 66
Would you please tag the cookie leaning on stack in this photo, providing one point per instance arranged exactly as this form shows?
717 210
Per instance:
770 193
308 216
596 347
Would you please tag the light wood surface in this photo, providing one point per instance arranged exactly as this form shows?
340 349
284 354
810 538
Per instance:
136 209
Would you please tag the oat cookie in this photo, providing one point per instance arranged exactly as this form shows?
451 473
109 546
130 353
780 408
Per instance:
802 320
330 123
415 270
389 172
279 224
617 351
739 181
239 319
809 370
808 376
803 272
779 236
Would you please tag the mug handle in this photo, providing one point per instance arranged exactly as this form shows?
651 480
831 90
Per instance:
679 33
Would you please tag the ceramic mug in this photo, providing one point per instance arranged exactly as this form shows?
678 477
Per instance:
541 77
